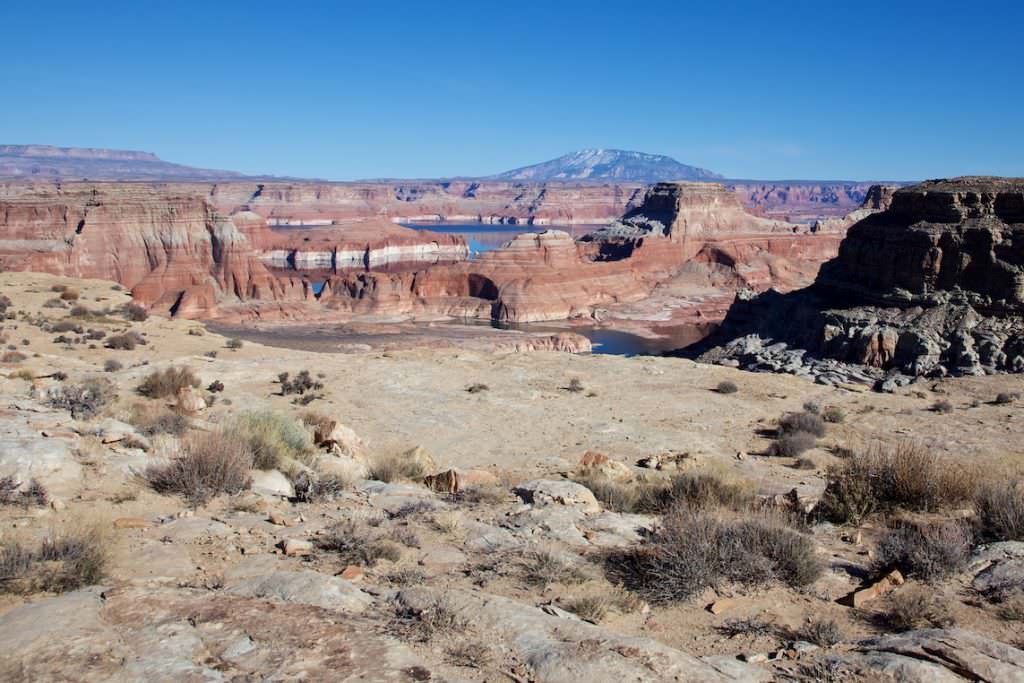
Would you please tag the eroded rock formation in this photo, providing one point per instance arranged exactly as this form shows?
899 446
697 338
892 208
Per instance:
931 286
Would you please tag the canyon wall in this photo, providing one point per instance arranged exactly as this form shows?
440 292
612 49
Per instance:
207 250
933 285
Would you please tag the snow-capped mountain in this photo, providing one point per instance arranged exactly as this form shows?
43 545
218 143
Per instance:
609 164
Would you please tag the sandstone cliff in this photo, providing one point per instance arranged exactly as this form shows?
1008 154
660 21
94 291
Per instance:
931 286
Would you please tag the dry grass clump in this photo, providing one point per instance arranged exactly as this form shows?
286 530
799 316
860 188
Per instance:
543 567
168 382
395 467
440 619
112 365
234 344
134 312
906 476
211 463
319 488
274 440
22 373
833 415
473 654
126 341
942 406
448 522
34 494
927 551
84 400
12 357
357 543
597 599
822 632
806 421
151 419
726 387
913 607
999 505
697 549
64 561
1011 604
695 489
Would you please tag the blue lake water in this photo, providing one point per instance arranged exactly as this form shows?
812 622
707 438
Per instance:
483 237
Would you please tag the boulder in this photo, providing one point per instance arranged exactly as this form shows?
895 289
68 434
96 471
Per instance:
272 483
189 401
51 462
547 492
339 439
949 654
594 464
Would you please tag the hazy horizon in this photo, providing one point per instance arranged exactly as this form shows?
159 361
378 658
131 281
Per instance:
804 91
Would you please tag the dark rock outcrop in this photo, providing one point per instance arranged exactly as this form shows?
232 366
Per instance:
933 285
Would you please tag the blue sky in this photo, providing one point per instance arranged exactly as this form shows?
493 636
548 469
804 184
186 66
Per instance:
865 90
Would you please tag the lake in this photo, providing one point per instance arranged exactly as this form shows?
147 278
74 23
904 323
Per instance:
483 237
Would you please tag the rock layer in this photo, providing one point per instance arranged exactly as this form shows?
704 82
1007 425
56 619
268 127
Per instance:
933 285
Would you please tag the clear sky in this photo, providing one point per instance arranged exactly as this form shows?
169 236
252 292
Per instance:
822 90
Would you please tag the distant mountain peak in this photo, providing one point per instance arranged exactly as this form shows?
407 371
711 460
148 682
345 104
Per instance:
609 165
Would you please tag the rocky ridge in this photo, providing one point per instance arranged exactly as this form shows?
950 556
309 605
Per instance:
933 285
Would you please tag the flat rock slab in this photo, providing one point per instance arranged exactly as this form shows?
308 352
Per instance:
169 635
305 587
549 492
559 650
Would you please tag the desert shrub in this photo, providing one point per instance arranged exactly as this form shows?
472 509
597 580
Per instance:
210 354
821 632
811 423
69 294
705 490
440 618
125 341
356 543
474 654
300 384
543 567
913 607
54 303
694 489
1000 510
812 407
79 311
882 478
805 463
477 387
575 385
12 357
211 463
233 344
66 326
726 387
112 365
942 406
168 382
64 561
215 387
395 467
22 373
318 489
95 335
1011 604
134 312
792 444
83 400
833 414
927 551
273 439
58 288
592 607
697 549
1003 398
34 494
751 627
151 420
